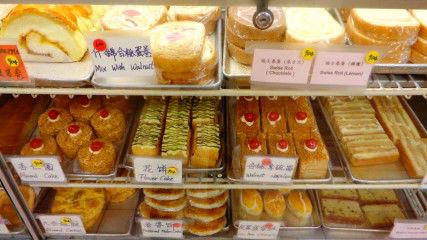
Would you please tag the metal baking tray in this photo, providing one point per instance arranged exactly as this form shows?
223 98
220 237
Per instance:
359 174
152 83
315 221
216 172
416 110
117 219
234 173
403 203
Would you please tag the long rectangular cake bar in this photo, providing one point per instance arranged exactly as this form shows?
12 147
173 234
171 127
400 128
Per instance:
176 142
206 145
204 110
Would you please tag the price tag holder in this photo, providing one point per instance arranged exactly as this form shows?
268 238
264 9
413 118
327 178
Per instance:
343 68
409 229
38 169
279 66
62 224
12 67
161 228
269 169
157 170
258 230
120 54
3 227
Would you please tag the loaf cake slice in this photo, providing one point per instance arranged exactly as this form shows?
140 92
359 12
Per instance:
345 194
375 196
414 156
382 215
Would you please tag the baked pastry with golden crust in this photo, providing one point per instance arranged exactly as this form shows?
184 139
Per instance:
205 215
117 195
119 102
164 194
167 205
8 211
97 157
274 204
53 120
313 155
281 145
300 208
251 202
209 203
82 108
149 212
40 146
109 123
61 101
206 229
204 193
71 138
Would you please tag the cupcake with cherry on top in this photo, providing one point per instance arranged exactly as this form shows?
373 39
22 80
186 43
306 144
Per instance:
97 157
40 146
53 120
109 123
71 138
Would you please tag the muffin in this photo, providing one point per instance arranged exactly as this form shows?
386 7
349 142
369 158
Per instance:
109 123
61 101
71 138
53 120
119 102
82 108
97 157
38 146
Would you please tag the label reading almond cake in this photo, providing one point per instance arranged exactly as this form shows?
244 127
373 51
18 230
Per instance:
269 169
157 170
38 169
162 228
258 230
62 224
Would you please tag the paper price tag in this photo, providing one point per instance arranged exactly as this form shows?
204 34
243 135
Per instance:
162 228
38 169
12 67
282 66
269 169
3 227
409 229
258 230
342 68
62 224
157 170
120 55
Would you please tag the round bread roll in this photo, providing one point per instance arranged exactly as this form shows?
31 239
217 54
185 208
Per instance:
148 212
53 120
97 157
117 195
40 146
274 204
164 194
205 193
72 137
299 204
206 229
82 108
251 202
167 205
209 203
205 215
109 123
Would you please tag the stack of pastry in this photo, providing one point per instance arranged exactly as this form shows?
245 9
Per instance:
163 203
361 135
419 49
7 209
241 30
182 53
51 33
294 208
208 15
375 208
188 130
283 127
401 129
395 29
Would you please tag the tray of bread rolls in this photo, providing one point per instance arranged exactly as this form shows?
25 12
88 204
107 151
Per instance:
380 140
295 209
88 135
371 210
281 127
104 212
205 212
190 129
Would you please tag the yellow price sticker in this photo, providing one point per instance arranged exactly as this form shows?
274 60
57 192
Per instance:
37 163
372 57
308 54
65 220
171 171
12 61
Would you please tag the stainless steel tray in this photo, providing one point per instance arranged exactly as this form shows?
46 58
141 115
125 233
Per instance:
404 205
315 222
117 220
358 174
234 173
152 83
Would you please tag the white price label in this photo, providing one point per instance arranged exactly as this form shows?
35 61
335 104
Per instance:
157 170
62 224
258 230
269 169
162 228
281 66
409 229
120 54
3 227
342 68
38 169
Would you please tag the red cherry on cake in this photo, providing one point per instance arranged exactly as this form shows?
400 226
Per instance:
301 116
73 128
254 143
283 144
311 143
84 101
273 116
36 143
53 114
104 113
249 117
96 146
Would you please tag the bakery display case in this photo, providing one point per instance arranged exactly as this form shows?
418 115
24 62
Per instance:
358 155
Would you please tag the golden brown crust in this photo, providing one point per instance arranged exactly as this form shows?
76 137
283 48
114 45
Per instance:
49 147
120 102
101 162
274 204
70 143
7 210
205 215
167 205
209 203
164 194
81 113
61 101
206 229
50 127
149 212
111 127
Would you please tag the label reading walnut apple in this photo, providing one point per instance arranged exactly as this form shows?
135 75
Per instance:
157 170
162 228
282 66
62 224
38 169
269 169
258 230
409 229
